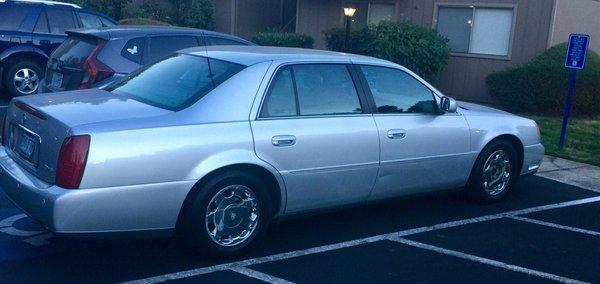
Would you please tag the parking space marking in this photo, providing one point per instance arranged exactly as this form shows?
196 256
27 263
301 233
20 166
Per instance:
557 226
260 276
346 244
487 261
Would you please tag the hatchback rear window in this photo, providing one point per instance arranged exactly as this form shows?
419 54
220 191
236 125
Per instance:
73 52
176 82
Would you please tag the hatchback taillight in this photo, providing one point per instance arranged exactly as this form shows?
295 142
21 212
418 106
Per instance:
72 160
96 71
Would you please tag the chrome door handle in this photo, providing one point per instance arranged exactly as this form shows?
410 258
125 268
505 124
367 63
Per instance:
396 134
283 140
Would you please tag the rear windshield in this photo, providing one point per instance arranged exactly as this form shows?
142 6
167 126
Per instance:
176 82
73 52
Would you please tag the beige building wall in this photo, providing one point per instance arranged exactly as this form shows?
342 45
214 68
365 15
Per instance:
576 16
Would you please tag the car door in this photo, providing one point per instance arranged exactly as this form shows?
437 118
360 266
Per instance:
421 149
314 129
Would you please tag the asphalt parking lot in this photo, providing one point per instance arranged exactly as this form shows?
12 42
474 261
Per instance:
545 231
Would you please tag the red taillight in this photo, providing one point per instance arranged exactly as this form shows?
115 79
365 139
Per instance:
72 160
96 71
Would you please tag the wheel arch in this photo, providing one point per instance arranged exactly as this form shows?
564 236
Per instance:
270 176
24 52
514 141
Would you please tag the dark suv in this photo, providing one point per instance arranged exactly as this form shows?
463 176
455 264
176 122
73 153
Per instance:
30 31
94 58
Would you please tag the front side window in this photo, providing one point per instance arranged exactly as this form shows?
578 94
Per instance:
476 30
396 91
162 46
176 82
60 20
312 89
12 16
89 20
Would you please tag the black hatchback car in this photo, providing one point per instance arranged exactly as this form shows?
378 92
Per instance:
94 58
29 32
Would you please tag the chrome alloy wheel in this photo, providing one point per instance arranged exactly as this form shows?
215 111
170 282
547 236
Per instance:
232 215
496 172
26 81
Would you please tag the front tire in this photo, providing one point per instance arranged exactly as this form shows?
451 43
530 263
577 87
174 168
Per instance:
228 216
494 173
23 77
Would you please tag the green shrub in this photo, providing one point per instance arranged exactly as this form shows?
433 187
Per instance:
420 49
283 39
142 21
540 85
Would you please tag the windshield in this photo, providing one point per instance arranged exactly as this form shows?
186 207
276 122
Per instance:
176 82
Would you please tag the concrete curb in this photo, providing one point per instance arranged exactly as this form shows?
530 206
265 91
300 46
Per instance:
569 172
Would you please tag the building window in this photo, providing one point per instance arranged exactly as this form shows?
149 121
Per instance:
372 13
476 30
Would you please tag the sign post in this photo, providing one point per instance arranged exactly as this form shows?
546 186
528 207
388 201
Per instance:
576 55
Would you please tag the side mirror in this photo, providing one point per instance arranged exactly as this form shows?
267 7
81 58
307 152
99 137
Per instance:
448 105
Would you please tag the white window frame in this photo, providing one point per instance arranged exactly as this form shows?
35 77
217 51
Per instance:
474 7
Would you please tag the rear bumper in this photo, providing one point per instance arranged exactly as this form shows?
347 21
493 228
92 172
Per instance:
111 210
532 158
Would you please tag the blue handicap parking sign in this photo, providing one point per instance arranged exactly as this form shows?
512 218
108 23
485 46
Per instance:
577 52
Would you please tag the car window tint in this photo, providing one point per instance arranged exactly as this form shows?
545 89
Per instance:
134 49
176 82
42 24
106 22
161 46
60 20
89 20
12 16
396 91
73 52
281 98
325 89
222 41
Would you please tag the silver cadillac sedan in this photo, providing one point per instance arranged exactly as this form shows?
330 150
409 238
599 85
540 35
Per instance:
213 144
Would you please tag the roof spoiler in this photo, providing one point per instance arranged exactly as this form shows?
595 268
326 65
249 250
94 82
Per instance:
89 34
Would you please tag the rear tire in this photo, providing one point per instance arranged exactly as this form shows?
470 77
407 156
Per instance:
494 173
23 77
228 216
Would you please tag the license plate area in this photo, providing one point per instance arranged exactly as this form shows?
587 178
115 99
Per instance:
57 80
25 143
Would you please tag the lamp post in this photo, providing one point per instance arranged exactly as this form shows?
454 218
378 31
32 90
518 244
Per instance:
349 13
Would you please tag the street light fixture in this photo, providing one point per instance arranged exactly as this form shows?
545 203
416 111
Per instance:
349 13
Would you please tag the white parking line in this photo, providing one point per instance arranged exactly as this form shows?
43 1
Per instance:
487 261
260 276
325 248
557 226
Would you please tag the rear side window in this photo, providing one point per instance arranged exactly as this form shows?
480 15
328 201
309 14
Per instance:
12 16
312 89
73 52
42 23
60 20
162 46
222 41
396 91
134 49
89 21
176 82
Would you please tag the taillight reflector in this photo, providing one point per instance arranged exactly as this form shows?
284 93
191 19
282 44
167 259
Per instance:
72 160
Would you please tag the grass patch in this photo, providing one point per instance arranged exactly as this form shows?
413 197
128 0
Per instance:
583 138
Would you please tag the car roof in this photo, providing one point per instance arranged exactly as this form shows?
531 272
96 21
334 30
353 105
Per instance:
133 31
43 2
250 55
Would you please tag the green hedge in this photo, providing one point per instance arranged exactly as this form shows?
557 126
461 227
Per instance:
283 39
142 21
420 49
540 85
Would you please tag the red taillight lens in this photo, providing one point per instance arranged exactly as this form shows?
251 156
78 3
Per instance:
96 70
72 160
